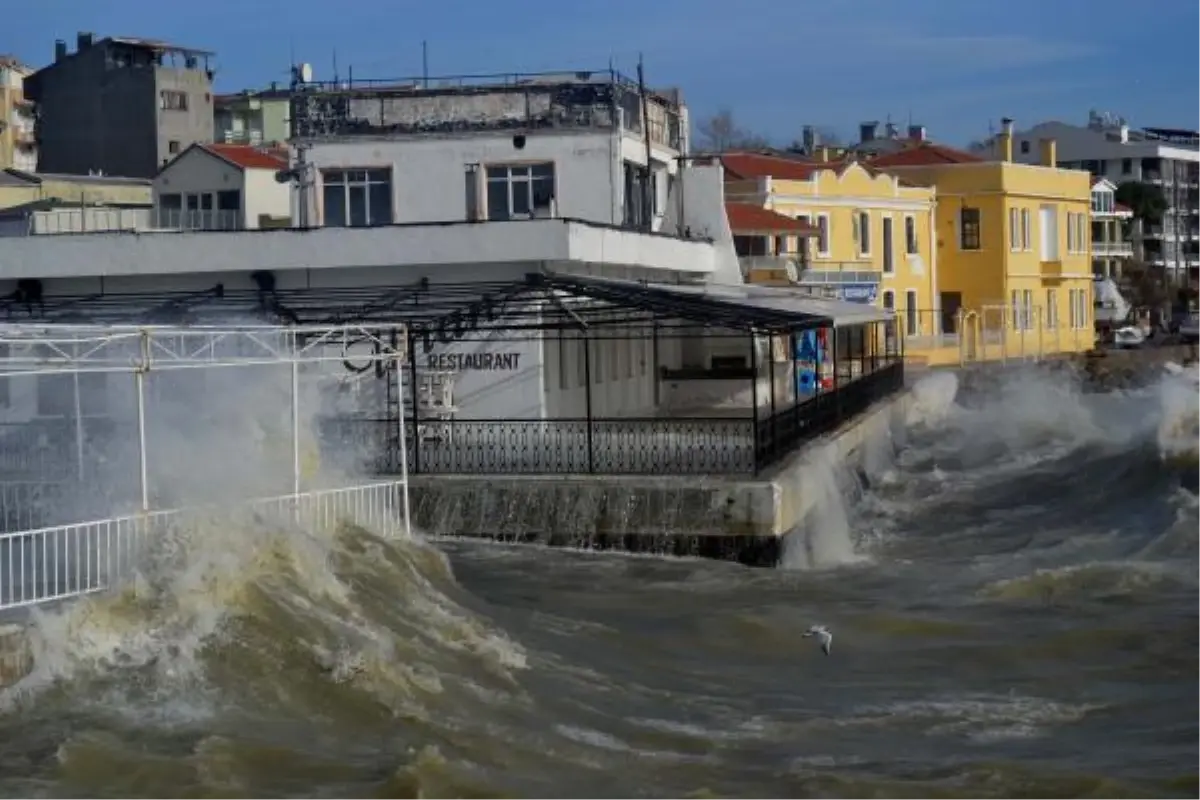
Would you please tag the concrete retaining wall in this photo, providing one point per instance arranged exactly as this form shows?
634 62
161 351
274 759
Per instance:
16 656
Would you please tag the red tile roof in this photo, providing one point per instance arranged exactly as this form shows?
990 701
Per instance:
926 154
248 156
749 218
760 165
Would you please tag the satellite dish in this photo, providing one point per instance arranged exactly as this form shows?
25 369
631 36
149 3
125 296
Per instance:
793 274
306 73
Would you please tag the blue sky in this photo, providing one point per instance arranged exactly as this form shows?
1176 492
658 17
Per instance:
953 65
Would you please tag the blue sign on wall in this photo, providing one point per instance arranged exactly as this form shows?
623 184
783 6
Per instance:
859 292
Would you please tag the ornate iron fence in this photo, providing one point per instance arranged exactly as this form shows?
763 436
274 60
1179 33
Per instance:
740 445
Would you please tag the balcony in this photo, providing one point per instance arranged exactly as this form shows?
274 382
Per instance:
838 272
251 137
1112 249
196 220
1051 269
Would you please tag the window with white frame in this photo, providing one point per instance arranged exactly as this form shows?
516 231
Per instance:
911 313
1070 232
1082 237
1073 303
357 198
823 234
1016 310
969 229
864 233
1026 230
1027 310
910 235
1051 308
1082 314
520 191
889 300
1014 229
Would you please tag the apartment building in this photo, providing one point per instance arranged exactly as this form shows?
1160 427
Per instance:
1108 147
258 118
18 142
120 105
1111 247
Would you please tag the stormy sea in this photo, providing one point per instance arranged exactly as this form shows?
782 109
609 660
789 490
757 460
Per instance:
1010 580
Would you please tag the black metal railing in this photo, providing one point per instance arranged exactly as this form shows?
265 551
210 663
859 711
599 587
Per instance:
823 413
736 445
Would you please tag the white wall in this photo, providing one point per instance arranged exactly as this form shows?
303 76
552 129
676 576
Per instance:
197 171
428 174
494 376
265 195
432 247
703 212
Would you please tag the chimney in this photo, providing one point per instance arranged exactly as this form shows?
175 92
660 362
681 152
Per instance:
1048 148
1004 142
823 154
83 40
916 132
868 131
60 50
1124 133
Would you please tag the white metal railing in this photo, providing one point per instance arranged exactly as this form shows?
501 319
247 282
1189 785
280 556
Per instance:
1112 249
63 561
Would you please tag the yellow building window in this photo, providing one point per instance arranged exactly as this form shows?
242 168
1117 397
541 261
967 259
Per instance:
1051 308
1014 229
969 234
1026 230
862 232
910 235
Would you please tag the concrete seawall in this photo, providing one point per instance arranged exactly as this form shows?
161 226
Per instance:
740 519
16 655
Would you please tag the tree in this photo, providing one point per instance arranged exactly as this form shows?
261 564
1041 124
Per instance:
720 133
1144 199
1146 285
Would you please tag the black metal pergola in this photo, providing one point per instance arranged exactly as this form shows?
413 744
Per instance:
542 305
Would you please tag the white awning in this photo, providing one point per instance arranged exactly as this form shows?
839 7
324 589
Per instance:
771 298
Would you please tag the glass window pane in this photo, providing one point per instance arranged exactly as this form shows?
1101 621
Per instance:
543 192
379 176
520 198
334 197
358 206
380 197
497 173
497 199
334 176
543 170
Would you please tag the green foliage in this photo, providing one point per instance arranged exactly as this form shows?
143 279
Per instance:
1145 199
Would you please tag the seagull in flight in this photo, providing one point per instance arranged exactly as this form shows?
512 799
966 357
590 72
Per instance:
823 635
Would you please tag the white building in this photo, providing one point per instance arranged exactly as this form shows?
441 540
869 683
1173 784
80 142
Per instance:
226 187
433 207
1111 247
1168 158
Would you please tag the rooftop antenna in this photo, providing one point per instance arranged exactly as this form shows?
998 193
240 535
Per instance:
335 72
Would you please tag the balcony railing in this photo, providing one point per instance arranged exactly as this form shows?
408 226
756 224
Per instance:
194 220
825 272
1112 249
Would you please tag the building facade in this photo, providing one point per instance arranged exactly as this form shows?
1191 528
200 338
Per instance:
226 187
1111 221
120 106
571 145
870 239
258 118
18 138
1169 159
1013 246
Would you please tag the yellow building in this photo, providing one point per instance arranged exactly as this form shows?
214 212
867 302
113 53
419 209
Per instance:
18 142
870 238
19 188
1013 250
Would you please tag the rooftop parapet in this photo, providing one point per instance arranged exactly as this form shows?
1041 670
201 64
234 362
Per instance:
594 99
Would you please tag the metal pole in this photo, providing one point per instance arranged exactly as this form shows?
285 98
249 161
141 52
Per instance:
140 377
771 377
295 422
648 186
587 398
403 444
754 399
78 420
416 417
